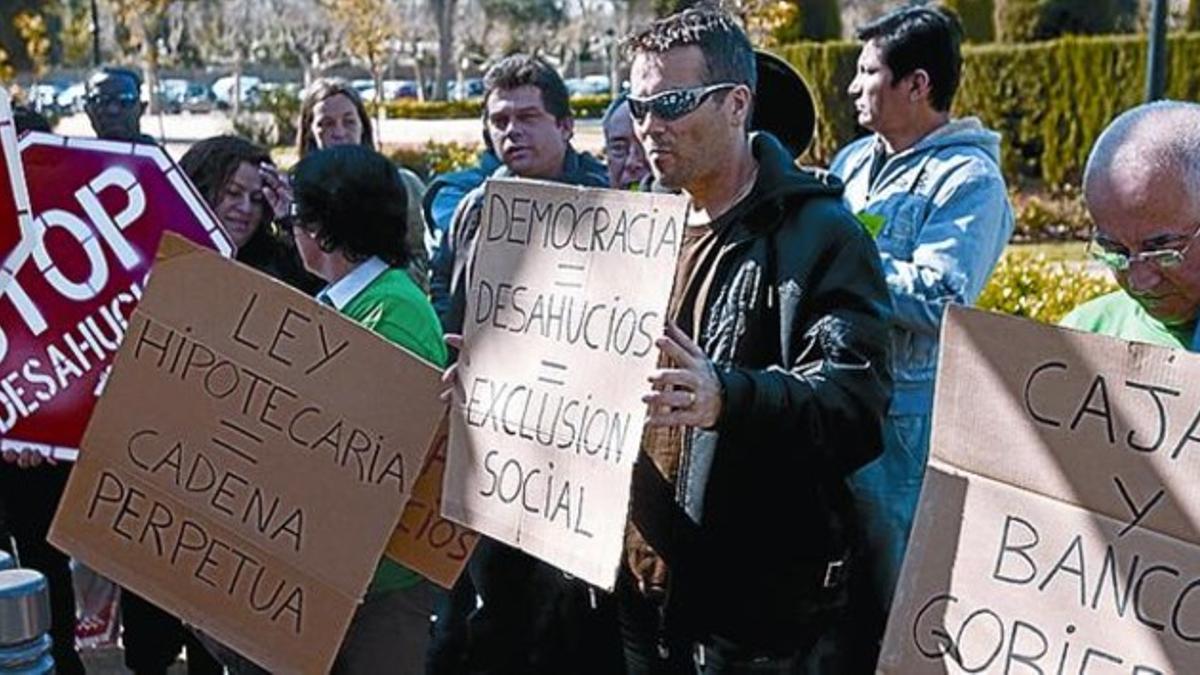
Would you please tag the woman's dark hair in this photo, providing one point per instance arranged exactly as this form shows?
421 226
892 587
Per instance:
210 164
354 201
318 91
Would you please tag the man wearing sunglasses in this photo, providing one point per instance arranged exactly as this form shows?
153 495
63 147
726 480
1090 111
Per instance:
114 105
929 188
1142 189
773 376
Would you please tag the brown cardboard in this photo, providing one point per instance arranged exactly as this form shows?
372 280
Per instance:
537 367
1043 541
424 540
265 443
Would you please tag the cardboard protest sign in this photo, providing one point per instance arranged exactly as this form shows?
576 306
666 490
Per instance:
567 294
99 211
14 198
424 540
1059 524
249 460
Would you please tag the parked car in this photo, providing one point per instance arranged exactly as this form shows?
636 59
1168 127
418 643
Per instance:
392 90
71 99
248 94
170 95
44 95
592 85
199 98
471 88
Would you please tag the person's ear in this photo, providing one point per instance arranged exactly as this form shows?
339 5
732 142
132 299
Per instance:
567 126
739 100
920 86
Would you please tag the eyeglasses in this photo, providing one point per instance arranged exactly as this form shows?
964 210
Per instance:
674 103
1120 260
124 99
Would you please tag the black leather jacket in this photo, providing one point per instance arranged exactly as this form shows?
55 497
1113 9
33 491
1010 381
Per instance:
793 311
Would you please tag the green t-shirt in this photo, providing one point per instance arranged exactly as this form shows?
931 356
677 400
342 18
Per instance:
392 306
1118 315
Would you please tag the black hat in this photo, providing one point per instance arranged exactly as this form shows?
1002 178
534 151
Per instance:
783 104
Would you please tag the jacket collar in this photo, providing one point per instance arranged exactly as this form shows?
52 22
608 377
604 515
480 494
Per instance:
578 169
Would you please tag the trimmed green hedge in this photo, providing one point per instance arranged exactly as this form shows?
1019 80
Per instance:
583 107
977 17
1050 100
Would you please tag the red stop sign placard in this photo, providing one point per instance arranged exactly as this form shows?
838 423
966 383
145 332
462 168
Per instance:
14 201
99 211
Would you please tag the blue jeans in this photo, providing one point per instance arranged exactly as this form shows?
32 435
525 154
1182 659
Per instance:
885 495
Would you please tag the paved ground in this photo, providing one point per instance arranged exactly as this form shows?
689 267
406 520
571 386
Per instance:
178 132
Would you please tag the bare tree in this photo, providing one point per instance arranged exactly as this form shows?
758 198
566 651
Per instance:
444 12
371 36
306 30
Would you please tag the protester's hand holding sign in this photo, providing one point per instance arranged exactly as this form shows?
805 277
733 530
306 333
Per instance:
26 459
689 395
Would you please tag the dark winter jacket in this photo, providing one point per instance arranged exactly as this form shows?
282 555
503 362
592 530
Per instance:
793 312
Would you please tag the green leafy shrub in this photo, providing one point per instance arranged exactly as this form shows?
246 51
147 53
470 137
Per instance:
811 20
1191 20
434 157
1036 286
582 107
1029 20
272 121
590 107
1050 217
977 17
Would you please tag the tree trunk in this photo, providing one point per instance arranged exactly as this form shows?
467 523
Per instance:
419 74
149 64
235 97
377 72
444 10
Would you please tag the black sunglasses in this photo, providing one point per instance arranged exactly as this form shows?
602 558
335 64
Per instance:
674 103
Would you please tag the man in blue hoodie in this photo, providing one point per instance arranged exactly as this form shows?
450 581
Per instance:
929 189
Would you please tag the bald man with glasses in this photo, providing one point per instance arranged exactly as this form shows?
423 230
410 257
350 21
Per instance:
1142 189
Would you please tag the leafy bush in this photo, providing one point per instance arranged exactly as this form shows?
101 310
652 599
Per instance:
1036 286
977 17
273 119
583 107
1049 217
810 20
427 110
1049 100
435 158
1030 20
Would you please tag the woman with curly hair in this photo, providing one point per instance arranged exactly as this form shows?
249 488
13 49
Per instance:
239 181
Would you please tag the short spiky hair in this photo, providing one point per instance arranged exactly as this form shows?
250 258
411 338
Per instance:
728 56
521 70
